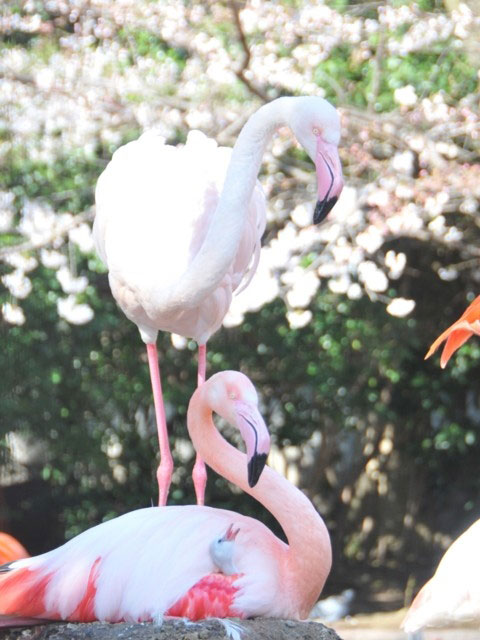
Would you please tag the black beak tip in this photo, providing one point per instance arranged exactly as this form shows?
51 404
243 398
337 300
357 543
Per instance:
255 468
323 208
6 567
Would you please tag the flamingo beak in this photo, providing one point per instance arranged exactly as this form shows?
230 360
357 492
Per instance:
256 437
329 179
255 467
230 534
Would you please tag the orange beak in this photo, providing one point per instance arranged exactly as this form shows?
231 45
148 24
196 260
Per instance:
458 333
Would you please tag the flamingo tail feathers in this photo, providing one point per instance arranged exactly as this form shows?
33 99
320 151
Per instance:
22 593
14 621
23 596
454 341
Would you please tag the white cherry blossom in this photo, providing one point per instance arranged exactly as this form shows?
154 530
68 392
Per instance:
400 307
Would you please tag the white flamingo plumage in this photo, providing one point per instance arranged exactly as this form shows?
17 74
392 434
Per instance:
177 243
452 595
158 561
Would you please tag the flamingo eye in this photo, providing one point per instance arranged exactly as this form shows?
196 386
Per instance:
316 131
232 395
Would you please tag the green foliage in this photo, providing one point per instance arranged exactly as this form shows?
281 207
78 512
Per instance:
440 69
67 182
143 43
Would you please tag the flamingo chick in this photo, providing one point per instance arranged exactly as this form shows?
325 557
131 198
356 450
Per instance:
179 229
222 550
157 561
458 333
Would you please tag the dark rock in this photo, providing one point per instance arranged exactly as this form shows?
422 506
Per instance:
212 629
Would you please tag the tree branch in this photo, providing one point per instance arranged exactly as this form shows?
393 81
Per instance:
240 73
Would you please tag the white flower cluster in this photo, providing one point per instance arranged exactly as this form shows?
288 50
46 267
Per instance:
41 227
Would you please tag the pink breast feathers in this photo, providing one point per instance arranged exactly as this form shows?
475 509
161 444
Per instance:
212 597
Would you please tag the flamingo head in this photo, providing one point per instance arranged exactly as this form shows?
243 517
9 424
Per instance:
316 125
233 397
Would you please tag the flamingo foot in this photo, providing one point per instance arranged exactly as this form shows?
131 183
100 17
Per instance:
199 476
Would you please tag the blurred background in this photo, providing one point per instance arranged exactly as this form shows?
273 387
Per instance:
333 328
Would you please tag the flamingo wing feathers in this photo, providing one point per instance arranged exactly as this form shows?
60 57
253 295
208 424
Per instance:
454 341
212 597
155 203
453 594
137 568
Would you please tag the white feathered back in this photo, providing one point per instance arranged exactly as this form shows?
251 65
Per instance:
154 206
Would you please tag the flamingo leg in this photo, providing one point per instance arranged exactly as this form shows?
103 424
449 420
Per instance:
165 469
199 474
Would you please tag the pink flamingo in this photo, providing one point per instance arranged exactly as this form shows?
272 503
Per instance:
160 561
453 594
176 247
10 548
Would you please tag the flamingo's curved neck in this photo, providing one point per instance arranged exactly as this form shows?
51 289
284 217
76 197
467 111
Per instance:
308 558
225 232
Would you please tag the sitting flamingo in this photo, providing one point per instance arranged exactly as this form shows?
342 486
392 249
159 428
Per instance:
177 244
453 594
10 548
158 561
458 333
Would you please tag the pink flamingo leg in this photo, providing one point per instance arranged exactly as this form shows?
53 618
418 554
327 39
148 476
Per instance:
165 469
199 473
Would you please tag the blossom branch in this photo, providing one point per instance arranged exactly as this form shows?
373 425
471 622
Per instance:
240 73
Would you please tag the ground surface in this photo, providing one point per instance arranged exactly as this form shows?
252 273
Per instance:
259 629
386 626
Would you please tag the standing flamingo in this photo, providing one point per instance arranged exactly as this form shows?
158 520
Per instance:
453 594
176 247
158 561
10 548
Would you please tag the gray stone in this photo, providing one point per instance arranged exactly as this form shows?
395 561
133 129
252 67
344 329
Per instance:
212 629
